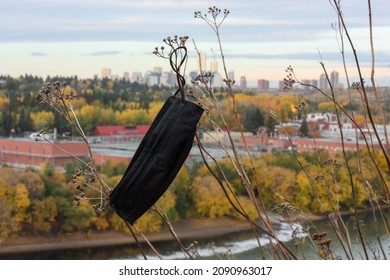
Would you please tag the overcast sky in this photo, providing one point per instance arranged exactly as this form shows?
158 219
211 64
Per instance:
260 37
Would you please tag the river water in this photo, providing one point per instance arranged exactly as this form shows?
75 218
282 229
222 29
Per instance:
243 245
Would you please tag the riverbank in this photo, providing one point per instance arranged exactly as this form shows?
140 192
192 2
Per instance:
186 230
191 229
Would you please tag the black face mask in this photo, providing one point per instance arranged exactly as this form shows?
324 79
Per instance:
158 159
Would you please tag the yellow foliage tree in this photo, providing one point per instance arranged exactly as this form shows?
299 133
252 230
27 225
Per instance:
327 106
151 221
279 182
132 117
304 193
3 101
107 116
5 210
42 120
20 202
89 117
43 214
210 201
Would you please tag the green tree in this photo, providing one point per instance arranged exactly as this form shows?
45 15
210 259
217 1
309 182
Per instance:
25 122
6 121
253 118
304 128
181 187
144 100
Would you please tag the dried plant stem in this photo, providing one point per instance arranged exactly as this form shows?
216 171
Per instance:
226 188
346 246
366 103
239 209
148 242
264 217
373 74
241 171
352 184
136 239
164 217
370 152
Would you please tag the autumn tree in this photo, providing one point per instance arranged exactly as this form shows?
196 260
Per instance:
209 199
42 120
6 210
182 189
43 214
89 117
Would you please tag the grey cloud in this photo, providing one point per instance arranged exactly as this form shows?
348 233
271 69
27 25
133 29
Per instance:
38 54
326 56
103 53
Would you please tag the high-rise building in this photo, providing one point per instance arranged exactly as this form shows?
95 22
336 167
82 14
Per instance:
106 73
323 82
136 77
334 78
167 79
231 75
243 84
262 84
202 63
308 88
151 78
282 85
126 76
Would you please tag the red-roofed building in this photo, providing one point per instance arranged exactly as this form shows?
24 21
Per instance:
121 130
119 133
25 152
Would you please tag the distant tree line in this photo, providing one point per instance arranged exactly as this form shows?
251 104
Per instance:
121 102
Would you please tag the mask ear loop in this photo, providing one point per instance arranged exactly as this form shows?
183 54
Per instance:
176 65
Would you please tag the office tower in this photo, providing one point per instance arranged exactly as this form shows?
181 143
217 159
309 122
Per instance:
334 78
126 76
202 63
106 73
167 79
323 82
243 84
136 77
262 84
282 84
231 75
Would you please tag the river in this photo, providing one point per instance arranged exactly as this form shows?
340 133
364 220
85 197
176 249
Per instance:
242 245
